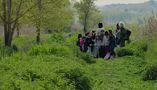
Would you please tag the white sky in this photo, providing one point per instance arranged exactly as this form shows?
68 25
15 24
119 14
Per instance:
106 2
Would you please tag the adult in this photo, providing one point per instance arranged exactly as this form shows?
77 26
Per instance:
97 46
112 44
124 34
100 28
117 34
102 47
106 43
89 42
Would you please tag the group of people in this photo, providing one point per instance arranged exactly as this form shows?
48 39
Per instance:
101 43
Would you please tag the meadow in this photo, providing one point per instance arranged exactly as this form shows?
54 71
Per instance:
57 64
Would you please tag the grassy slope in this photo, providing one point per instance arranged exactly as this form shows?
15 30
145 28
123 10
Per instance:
47 72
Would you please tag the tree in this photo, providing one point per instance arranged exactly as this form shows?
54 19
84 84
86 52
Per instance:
85 10
11 12
50 14
38 25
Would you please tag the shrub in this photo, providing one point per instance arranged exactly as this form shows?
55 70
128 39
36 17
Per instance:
88 58
47 49
7 51
151 73
77 77
139 48
24 43
57 37
124 52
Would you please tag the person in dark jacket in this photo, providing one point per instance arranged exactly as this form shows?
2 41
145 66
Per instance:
123 33
78 41
117 34
89 43
112 43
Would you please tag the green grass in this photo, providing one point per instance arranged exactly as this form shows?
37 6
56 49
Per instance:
57 64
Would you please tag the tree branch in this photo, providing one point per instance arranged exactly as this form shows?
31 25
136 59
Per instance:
2 18
17 15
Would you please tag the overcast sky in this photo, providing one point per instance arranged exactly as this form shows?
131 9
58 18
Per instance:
106 2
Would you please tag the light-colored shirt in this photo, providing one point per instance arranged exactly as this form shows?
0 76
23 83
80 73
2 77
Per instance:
98 32
106 41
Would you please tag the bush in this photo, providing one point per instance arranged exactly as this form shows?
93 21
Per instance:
77 77
57 38
151 73
139 48
124 52
88 58
37 73
46 49
7 51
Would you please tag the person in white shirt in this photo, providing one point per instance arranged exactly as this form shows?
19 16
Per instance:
106 43
100 28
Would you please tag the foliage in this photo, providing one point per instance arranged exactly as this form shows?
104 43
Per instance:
137 48
59 65
52 16
7 51
55 49
57 38
124 52
76 77
86 57
89 14
150 73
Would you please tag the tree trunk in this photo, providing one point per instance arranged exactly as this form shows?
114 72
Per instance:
85 23
18 30
8 39
85 26
38 35
39 21
7 22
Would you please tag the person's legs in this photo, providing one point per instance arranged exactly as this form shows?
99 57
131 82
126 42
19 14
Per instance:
122 43
106 50
113 52
101 52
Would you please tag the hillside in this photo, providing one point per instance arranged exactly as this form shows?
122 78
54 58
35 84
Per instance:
133 13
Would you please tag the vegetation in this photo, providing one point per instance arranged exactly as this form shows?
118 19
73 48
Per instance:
89 14
56 62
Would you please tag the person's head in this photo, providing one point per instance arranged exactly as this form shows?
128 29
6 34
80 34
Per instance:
110 32
100 25
90 34
121 24
94 32
86 34
79 36
106 33
117 26
83 37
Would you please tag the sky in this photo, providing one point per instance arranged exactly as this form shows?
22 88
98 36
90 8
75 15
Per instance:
107 2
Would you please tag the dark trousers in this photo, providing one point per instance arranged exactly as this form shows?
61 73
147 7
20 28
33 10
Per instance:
106 50
101 52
